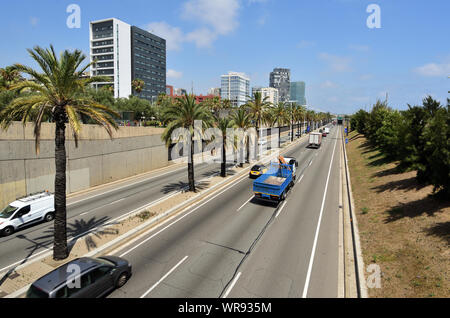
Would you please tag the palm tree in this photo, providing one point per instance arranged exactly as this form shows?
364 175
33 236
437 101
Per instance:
183 114
310 118
257 107
281 115
223 123
241 119
299 115
61 93
8 77
138 85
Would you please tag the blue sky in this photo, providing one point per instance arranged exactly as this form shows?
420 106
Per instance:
326 43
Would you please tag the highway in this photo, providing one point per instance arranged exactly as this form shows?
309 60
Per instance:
94 208
231 245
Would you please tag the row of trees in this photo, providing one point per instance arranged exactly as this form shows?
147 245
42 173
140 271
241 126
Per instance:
419 138
59 92
256 113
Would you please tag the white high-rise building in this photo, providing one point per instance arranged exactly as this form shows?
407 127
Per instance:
235 87
269 92
125 53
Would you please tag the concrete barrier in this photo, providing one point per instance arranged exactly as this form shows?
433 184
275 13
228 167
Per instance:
96 161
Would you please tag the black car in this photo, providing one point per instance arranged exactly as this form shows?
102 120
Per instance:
257 171
82 278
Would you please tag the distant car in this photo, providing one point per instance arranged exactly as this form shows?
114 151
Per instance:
257 170
26 211
298 134
82 278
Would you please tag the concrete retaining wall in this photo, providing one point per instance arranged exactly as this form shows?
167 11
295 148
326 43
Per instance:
97 160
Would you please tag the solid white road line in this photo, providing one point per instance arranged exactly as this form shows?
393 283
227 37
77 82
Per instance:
182 217
232 285
164 277
311 260
245 203
279 211
298 181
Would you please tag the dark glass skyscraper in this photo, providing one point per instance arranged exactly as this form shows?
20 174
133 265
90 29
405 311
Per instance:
280 79
298 92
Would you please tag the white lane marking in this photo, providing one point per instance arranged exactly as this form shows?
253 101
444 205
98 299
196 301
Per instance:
127 185
279 211
245 203
182 217
300 178
311 260
310 163
232 285
164 277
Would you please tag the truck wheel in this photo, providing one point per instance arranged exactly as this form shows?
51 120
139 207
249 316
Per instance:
49 217
7 231
282 197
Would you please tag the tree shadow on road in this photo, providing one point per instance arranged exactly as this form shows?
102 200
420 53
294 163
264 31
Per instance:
183 186
75 231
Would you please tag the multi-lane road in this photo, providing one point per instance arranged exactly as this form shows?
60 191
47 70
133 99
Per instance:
94 208
231 245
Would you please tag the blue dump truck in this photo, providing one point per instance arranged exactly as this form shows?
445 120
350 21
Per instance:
276 182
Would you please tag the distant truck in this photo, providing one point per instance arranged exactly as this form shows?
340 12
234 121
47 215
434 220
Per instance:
327 130
277 181
315 140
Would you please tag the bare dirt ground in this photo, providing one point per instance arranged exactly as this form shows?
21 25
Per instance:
403 228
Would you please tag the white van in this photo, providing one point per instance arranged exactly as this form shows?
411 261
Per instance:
26 211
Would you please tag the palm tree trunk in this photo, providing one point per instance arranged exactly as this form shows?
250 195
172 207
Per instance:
223 168
279 136
191 167
292 130
247 157
60 250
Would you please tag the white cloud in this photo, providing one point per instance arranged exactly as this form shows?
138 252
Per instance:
203 38
433 70
173 35
336 63
174 74
220 15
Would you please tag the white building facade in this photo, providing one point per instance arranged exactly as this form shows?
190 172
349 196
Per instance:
235 87
269 92
110 42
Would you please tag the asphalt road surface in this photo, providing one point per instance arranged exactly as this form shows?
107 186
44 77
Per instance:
234 246
95 208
